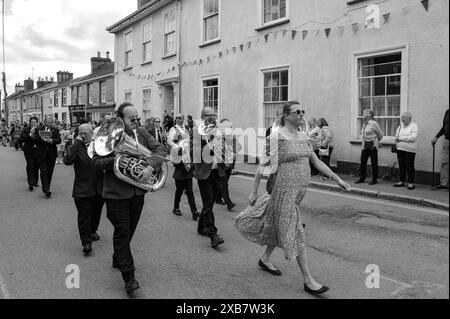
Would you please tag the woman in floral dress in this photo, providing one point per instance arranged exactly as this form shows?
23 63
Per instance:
274 220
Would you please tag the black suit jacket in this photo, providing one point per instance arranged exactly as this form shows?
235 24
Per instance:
113 187
88 181
47 150
201 149
28 143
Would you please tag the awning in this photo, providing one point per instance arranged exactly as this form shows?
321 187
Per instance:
101 109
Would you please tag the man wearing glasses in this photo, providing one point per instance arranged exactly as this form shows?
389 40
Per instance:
206 172
157 132
124 202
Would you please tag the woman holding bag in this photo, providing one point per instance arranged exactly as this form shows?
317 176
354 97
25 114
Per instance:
405 140
326 143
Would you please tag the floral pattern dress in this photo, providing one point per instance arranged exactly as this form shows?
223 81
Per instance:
275 219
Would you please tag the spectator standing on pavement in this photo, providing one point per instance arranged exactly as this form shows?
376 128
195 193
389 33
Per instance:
444 156
29 150
371 136
326 143
405 138
314 137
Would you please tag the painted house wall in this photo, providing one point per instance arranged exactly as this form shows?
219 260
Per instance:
125 83
322 70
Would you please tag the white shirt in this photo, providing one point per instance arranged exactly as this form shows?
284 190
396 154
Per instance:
407 136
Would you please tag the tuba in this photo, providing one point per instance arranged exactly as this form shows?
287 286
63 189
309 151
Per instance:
131 157
219 144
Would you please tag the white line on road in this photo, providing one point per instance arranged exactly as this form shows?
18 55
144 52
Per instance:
3 288
375 201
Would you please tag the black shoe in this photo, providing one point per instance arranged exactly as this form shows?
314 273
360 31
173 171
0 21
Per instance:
216 241
373 182
87 248
131 285
231 206
177 212
195 216
411 187
30 188
48 194
399 184
263 266
359 181
439 187
316 292
36 185
95 237
220 202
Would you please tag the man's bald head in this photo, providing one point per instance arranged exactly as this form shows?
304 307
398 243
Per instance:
85 128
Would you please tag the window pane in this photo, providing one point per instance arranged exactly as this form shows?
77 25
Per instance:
267 95
275 79
284 93
211 7
393 108
391 126
364 87
379 106
275 94
267 77
282 8
170 21
364 104
379 86
212 28
393 85
284 77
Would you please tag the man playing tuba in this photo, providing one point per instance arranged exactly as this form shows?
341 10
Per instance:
124 201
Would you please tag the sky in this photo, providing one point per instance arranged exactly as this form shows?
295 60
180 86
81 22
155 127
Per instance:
43 37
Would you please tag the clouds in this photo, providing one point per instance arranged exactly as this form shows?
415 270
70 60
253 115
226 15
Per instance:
53 35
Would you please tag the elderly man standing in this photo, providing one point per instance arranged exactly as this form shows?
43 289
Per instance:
444 162
87 187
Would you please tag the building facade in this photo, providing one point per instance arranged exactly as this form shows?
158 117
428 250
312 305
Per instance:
147 52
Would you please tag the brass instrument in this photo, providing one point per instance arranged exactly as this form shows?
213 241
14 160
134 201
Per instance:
131 157
221 148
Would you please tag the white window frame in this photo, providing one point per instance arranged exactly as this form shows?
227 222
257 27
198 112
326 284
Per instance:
147 110
262 71
102 91
64 97
404 49
125 93
261 14
170 32
51 98
128 51
204 18
90 96
215 76
56 98
147 41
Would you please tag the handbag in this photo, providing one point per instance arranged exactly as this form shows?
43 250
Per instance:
324 151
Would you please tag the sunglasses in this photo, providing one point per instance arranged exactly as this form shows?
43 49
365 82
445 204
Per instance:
135 120
157 121
179 118
299 112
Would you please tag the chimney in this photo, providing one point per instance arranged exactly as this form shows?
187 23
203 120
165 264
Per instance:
46 79
18 88
98 61
28 84
107 54
98 54
60 76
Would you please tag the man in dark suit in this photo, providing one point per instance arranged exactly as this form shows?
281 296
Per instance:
87 187
157 131
29 147
124 201
46 154
206 172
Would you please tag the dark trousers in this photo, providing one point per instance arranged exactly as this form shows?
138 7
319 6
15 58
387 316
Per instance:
326 159
124 215
208 190
32 169
223 192
406 166
181 186
89 213
314 170
46 166
365 154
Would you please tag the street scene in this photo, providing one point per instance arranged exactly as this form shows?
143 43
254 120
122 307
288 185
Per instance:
210 149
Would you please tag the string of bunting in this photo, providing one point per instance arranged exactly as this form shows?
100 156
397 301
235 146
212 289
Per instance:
370 23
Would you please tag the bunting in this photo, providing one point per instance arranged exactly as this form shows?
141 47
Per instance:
386 17
425 4
327 31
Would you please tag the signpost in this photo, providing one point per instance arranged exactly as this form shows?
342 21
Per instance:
77 114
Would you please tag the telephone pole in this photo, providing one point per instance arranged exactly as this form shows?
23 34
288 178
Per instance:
5 94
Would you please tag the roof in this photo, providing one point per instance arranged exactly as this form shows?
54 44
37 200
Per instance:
137 15
15 94
102 70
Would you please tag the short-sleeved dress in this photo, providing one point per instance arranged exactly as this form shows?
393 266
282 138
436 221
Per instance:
275 219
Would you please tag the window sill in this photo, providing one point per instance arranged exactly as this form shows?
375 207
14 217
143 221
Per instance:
168 56
146 63
272 24
210 42
354 2
127 68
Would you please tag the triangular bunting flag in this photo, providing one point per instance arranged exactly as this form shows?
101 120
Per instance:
249 45
266 37
386 17
341 30
355 27
327 32
294 33
284 32
158 74
234 49
139 77
200 62
425 4
304 34
208 59
194 63
220 54
241 46
257 40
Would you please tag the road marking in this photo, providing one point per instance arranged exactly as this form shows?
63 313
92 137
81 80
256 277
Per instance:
3 288
369 200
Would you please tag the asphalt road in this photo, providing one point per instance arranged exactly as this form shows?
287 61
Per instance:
345 234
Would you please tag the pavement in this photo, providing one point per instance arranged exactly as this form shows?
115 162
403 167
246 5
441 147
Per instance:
346 236
423 195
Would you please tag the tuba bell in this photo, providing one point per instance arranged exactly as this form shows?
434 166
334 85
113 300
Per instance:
131 158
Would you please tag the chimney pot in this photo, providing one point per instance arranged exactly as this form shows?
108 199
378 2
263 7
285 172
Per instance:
98 54
107 54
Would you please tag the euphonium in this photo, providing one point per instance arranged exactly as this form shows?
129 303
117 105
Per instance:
131 157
